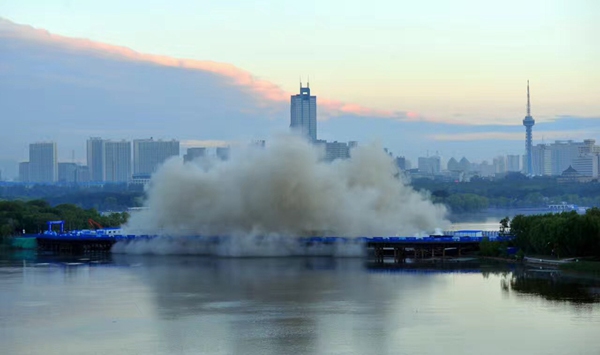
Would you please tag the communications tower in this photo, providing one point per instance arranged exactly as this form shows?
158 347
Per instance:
528 122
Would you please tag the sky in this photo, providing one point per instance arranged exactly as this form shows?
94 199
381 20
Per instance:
419 76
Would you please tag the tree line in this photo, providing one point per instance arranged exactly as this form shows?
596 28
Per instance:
31 217
110 197
566 234
512 192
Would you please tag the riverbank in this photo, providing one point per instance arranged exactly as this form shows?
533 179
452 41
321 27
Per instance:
500 259
576 268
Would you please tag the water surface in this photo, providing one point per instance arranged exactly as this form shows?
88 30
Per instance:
198 305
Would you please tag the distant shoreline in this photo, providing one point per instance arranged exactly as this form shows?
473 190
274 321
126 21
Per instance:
495 213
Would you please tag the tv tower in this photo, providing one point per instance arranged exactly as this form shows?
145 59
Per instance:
528 122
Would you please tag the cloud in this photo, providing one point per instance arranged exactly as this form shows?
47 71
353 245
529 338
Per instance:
264 90
60 89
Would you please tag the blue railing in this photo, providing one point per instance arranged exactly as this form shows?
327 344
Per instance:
449 237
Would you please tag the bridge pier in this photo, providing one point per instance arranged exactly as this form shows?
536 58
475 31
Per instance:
421 249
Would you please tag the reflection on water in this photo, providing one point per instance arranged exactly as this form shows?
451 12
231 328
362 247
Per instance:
194 305
551 285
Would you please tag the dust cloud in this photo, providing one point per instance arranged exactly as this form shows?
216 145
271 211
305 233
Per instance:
285 189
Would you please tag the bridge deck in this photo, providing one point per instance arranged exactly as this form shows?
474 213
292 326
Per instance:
381 246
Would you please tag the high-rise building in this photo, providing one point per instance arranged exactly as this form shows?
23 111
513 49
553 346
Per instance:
117 161
541 157
43 164
401 163
83 174
95 158
528 122
513 163
194 153
499 164
586 165
148 154
24 171
564 152
303 115
336 150
67 172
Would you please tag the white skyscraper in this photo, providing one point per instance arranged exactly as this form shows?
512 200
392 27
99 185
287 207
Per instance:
148 154
95 159
43 163
564 152
304 113
541 157
117 161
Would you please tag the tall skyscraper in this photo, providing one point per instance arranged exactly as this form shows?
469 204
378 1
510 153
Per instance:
43 163
117 161
148 154
303 116
528 122
541 160
95 159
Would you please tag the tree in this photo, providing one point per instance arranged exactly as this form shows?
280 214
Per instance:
504 225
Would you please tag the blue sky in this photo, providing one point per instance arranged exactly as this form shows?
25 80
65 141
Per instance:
458 67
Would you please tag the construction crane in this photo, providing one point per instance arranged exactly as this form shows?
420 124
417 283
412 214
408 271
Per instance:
93 224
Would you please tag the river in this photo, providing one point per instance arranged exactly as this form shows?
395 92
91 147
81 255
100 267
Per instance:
126 304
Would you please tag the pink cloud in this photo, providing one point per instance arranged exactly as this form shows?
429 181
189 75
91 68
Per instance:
265 91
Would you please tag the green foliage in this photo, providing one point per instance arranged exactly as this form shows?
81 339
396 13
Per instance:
487 248
514 191
495 249
504 226
562 235
105 198
31 216
461 203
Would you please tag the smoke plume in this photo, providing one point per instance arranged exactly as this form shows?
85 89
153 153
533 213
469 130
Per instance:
285 189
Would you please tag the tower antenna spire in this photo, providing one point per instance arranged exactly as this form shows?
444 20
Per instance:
308 81
528 122
528 102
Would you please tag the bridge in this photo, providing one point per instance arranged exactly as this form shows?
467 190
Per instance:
449 244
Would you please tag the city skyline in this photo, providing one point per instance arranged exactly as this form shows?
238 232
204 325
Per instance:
216 103
117 162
